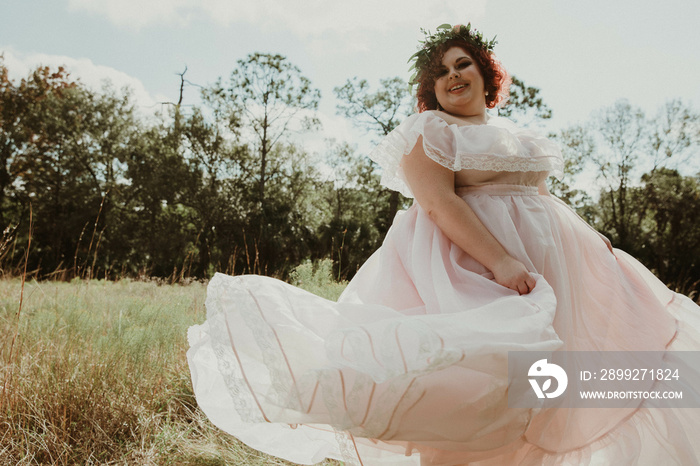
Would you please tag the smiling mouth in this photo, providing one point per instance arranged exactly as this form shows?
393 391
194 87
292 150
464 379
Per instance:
458 87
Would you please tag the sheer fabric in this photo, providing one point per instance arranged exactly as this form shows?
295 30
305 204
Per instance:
497 146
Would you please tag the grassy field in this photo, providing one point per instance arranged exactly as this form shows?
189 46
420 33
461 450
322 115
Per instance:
98 374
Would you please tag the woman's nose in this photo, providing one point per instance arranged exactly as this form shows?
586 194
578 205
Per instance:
454 74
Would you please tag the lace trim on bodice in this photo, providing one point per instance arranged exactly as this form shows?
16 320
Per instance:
497 146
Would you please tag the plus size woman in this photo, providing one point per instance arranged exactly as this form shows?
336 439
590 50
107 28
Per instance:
409 367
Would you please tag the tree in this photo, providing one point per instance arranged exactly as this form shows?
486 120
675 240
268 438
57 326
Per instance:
8 134
671 237
215 163
21 119
524 104
628 144
577 145
377 112
154 226
351 230
267 95
63 149
265 102
646 205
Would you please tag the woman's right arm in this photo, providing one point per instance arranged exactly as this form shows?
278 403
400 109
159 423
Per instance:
433 187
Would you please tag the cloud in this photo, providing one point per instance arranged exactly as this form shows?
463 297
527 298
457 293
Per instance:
93 76
135 14
304 18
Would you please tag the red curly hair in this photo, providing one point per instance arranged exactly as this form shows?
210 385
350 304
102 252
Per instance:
496 79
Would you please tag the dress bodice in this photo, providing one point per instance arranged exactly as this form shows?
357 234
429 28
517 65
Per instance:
498 152
471 177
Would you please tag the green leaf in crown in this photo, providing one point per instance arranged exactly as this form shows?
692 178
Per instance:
445 32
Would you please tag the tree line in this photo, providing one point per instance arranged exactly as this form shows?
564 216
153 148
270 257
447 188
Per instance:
226 185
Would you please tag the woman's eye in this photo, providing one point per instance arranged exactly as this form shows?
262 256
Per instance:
442 72
463 64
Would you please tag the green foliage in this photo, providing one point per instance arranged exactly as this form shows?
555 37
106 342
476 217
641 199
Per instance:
225 186
357 187
353 226
444 33
317 278
219 188
628 144
646 207
63 150
265 100
265 96
377 112
664 231
525 104
577 145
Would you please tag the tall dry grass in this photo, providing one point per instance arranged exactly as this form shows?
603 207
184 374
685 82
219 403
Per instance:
99 376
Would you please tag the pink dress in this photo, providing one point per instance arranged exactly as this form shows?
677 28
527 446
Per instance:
409 367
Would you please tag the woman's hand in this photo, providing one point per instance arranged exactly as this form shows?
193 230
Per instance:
512 274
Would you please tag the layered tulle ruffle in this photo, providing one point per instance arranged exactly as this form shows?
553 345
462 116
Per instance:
498 145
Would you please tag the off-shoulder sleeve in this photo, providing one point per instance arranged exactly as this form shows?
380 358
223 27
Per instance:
497 146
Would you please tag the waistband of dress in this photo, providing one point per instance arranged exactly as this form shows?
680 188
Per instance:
499 190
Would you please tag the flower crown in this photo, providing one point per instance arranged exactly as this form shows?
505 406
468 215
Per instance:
444 33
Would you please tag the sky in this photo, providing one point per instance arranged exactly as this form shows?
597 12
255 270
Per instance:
583 55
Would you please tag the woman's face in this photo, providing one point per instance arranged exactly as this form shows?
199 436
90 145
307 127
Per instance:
459 87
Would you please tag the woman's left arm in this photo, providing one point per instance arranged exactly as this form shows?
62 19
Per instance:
434 190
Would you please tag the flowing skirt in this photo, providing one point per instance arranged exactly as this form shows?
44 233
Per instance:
410 366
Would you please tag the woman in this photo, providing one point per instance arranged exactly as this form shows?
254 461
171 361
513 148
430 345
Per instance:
410 366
